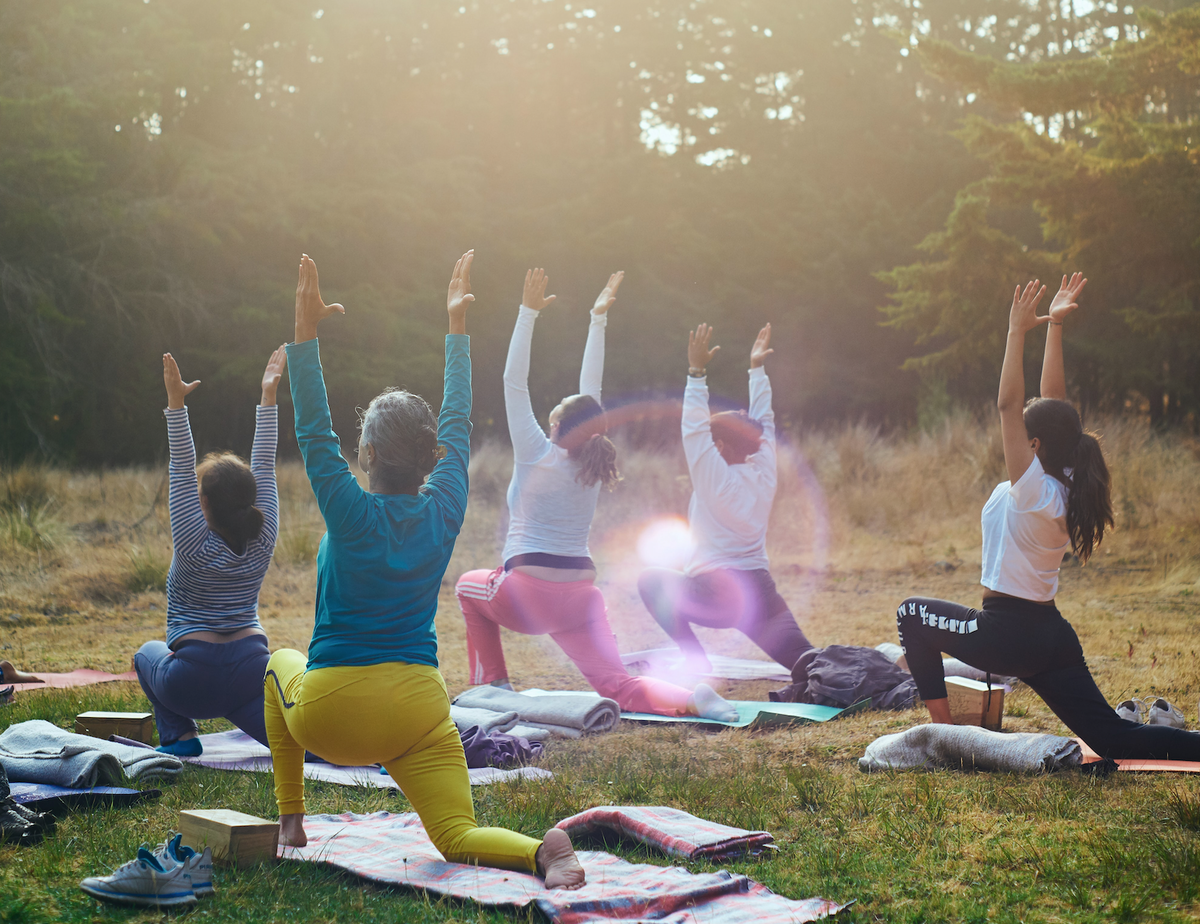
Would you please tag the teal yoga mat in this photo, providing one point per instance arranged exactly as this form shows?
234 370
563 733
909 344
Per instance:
758 714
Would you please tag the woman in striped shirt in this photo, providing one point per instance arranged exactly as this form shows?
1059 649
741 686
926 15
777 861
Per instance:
224 520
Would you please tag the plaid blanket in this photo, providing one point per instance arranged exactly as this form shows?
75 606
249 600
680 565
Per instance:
235 750
393 849
672 831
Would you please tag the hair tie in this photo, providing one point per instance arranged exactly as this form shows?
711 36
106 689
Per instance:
441 452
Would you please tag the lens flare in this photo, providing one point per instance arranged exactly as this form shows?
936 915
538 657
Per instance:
665 543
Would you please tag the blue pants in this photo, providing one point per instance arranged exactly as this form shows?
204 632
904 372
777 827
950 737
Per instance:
205 680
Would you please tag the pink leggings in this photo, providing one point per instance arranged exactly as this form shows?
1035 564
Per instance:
574 615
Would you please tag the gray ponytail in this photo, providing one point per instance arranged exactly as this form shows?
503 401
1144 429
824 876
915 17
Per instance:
400 426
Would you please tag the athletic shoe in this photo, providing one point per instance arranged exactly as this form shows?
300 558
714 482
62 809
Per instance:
43 821
15 828
148 880
198 867
1132 710
1164 713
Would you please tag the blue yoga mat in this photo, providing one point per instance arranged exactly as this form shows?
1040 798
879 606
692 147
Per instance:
46 797
752 714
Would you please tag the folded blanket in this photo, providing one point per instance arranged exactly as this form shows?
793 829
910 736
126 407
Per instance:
484 719
39 752
970 747
670 830
567 714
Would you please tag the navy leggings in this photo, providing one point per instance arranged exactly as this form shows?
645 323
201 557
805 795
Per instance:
205 680
1032 641
723 599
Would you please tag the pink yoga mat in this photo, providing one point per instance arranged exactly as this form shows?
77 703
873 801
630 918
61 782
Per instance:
1168 766
79 678
395 850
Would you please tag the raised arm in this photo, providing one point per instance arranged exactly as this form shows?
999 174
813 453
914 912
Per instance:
705 465
189 529
448 481
266 440
529 440
342 502
760 391
1054 378
1022 318
591 373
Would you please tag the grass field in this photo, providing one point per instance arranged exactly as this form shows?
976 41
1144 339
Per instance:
861 521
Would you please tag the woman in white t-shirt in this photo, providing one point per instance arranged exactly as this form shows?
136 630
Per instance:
1057 499
546 585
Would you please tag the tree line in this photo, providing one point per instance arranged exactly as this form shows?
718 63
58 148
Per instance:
871 176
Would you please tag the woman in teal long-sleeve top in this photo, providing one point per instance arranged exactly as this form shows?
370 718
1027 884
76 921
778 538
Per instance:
370 691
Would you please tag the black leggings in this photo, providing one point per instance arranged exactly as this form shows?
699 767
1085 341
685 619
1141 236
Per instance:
1031 641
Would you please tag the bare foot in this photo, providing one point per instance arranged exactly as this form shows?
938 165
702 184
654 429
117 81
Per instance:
9 674
291 830
556 861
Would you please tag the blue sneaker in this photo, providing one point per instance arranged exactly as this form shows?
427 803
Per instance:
189 748
146 880
197 867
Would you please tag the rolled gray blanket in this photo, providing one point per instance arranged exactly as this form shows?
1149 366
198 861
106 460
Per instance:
39 752
568 714
487 720
970 747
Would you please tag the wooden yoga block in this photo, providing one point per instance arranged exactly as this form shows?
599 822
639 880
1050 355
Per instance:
970 705
136 725
233 836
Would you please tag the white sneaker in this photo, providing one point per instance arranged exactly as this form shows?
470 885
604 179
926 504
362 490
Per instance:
1164 713
197 867
1132 710
144 881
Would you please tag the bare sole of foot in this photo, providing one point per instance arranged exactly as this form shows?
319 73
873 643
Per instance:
557 863
9 674
291 831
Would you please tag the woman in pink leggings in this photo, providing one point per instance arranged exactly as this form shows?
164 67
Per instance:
547 582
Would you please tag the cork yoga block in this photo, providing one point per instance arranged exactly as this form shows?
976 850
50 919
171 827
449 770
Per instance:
233 836
972 702
136 725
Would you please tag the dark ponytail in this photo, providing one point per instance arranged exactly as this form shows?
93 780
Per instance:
582 432
230 489
1066 445
1089 500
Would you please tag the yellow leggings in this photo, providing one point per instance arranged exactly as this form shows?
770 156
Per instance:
396 714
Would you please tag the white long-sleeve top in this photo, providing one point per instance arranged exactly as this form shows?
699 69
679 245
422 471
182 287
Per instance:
731 504
549 511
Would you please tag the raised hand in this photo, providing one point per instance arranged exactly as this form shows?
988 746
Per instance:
1064 302
458 296
608 295
762 347
698 352
310 309
177 389
535 296
272 374
1023 316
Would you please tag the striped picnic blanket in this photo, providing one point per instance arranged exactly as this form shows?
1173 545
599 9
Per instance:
672 831
394 849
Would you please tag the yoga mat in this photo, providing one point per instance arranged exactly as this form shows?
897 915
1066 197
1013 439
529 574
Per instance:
667 664
394 850
235 750
79 678
47 798
751 714
1143 766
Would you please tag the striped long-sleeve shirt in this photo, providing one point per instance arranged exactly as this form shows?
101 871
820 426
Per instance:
209 586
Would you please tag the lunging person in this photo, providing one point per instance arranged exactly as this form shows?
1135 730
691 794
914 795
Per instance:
224 521
547 582
370 690
726 583
1057 499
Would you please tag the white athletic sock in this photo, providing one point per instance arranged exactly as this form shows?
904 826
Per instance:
710 704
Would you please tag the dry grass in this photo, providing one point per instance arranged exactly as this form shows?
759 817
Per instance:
861 521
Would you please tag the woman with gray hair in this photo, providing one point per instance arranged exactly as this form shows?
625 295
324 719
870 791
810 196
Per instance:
370 690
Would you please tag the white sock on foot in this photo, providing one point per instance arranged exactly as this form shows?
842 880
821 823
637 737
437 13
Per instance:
710 704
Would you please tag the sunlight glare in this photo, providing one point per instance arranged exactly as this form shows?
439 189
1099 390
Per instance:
665 543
